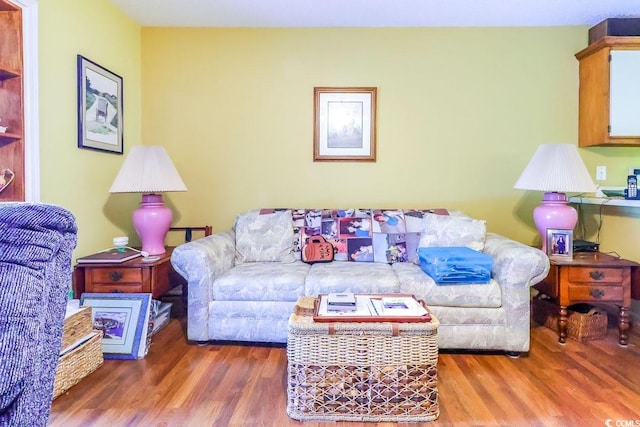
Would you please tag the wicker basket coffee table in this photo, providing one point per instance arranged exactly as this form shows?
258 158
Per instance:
348 371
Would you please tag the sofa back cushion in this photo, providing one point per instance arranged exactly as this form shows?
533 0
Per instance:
439 231
264 237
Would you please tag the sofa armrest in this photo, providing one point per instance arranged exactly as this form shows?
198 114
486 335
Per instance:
515 263
200 262
516 267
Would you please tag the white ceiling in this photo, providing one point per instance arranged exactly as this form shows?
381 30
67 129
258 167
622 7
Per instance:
374 13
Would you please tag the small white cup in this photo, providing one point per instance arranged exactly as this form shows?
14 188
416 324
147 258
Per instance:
120 242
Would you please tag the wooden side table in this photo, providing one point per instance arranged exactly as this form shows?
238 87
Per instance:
130 276
590 278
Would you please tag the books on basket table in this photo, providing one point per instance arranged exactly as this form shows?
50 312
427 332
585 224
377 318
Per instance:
341 302
398 306
372 308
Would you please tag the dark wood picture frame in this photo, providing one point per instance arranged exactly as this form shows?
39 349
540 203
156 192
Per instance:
100 105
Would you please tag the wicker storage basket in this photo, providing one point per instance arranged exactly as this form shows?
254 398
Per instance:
76 326
580 326
362 371
77 364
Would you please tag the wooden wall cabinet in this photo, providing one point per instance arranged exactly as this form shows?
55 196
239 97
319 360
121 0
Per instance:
609 94
12 156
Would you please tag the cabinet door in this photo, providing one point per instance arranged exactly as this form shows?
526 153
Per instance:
624 103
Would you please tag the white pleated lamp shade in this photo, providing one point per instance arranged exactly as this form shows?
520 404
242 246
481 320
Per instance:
147 169
556 168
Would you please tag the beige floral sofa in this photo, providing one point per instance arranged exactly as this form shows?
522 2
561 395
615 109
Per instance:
243 283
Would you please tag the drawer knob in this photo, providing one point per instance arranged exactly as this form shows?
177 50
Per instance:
596 275
115 276
596 293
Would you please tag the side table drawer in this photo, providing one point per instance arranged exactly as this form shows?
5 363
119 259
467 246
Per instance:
596 293
602 275
114 275
116 287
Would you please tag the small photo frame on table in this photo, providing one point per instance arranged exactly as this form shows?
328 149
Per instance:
344 127
126 321
559 243
99 108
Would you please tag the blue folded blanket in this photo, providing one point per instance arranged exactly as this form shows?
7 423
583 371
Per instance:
455 265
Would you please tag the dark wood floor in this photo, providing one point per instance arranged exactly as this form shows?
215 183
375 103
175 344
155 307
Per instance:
577 384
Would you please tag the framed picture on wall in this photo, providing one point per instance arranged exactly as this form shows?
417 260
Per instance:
99 108
344 124
559 243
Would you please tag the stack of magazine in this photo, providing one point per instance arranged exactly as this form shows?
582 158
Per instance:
162 311
341 302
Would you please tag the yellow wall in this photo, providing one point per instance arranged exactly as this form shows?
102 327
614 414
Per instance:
79 179
616 228
460 112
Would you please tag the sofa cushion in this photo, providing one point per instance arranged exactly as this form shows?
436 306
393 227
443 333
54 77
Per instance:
415 281
476 318
353 277
446 230
261 281
257 321
264 237
269 310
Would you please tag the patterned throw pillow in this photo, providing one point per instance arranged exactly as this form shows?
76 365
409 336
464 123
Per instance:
264 237
445 230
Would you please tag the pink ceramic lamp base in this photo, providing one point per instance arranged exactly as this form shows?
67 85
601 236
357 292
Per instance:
554 212
152 220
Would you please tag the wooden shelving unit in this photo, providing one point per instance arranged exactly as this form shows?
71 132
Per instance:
608 201
12 156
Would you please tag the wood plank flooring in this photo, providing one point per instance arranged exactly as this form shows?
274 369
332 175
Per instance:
177 384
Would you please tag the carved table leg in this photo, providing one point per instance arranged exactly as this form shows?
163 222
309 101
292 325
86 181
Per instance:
623 325
562 325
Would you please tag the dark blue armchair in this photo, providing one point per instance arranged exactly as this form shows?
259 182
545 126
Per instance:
36 244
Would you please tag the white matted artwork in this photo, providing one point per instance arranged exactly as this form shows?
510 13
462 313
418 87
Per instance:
344 124
125 320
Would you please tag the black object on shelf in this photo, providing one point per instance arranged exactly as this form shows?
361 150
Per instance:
585 246
620 27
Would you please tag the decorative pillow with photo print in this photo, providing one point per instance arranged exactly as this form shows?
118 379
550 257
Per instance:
388 221
360 249
390 248
354 227
363 235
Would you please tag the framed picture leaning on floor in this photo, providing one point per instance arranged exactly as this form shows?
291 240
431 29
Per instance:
125 320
